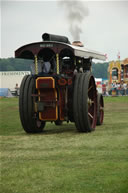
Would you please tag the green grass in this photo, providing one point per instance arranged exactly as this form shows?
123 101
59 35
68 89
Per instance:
61 160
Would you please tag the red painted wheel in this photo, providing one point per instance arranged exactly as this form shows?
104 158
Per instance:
85 102
100 109
92 103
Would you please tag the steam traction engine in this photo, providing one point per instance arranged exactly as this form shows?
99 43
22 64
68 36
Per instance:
61 86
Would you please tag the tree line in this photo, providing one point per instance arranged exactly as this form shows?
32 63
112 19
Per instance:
99 70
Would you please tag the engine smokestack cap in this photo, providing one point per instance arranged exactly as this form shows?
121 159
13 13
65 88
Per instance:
46 37
77 43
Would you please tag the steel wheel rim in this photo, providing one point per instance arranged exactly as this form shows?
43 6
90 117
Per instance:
101 110
92 102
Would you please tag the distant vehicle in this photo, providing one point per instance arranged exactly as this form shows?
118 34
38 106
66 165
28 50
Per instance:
61 86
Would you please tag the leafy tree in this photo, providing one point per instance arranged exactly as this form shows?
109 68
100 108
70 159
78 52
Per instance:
99 70
14 64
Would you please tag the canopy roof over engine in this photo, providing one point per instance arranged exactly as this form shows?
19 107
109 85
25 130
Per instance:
30 50
86 53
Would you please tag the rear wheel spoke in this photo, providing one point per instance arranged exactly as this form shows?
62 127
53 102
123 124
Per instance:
90 88
89 114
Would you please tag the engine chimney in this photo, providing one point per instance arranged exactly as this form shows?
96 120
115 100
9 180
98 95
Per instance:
77 43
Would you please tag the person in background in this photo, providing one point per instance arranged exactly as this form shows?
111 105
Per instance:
17 90
125 87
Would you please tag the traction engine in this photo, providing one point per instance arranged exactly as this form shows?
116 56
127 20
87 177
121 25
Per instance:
61 86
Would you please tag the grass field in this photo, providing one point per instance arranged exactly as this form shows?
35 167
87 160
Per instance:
61 160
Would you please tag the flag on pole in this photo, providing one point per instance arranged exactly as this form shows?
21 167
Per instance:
118 56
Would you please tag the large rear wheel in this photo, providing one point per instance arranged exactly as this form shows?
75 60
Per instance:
85 102
28 116
100 109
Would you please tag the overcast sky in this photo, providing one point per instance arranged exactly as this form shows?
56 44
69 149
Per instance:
104 26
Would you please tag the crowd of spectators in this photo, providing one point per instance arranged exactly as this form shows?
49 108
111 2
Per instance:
118 88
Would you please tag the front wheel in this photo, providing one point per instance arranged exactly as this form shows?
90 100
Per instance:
28 116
